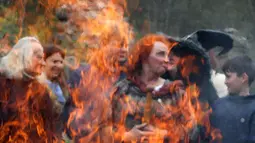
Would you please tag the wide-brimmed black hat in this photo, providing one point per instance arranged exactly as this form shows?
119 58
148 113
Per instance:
199 43
206 40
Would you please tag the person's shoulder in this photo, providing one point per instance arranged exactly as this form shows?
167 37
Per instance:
230 98
75 75
122 86
82 68
4 79
234 99
2 76
252 96
249 99
239 98
221 101
122 83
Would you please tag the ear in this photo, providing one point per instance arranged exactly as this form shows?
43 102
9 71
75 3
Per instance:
245 78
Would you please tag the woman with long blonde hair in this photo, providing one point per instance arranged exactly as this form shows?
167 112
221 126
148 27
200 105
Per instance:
26 113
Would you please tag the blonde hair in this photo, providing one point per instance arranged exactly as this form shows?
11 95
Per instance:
19 58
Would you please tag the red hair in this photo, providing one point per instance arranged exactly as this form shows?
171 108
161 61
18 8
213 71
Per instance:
142 50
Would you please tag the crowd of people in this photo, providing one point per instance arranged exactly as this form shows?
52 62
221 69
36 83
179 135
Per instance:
152 91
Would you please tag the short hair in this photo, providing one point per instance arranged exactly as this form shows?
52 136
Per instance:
240 65
51 49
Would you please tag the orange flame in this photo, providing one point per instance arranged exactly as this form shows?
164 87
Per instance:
26 114
104 30
106 33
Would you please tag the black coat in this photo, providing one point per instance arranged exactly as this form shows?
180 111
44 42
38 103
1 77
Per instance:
25 106
235 117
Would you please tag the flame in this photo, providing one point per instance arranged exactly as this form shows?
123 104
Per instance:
103 31
188 113
106 33
4 44
183 119
26 116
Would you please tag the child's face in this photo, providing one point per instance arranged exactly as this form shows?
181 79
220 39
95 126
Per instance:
234 83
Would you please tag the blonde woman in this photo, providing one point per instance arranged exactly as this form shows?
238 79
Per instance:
26 113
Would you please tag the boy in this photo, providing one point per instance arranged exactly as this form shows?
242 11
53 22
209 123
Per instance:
234 115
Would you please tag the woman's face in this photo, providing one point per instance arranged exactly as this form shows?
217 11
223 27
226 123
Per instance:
158 58
54 66
37 61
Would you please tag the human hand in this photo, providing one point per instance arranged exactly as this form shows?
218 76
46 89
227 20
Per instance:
157 133
137 132
177 87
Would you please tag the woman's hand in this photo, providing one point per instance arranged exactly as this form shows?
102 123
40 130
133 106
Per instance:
157 133
137 132
177 87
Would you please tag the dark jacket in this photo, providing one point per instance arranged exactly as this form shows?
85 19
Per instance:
88 109
234 116
25 109
76 75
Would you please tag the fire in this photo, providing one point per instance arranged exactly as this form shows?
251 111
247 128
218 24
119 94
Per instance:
104 30
25 116
183 119
189 113
4 44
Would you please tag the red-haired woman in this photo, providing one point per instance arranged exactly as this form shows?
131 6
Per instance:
148 60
